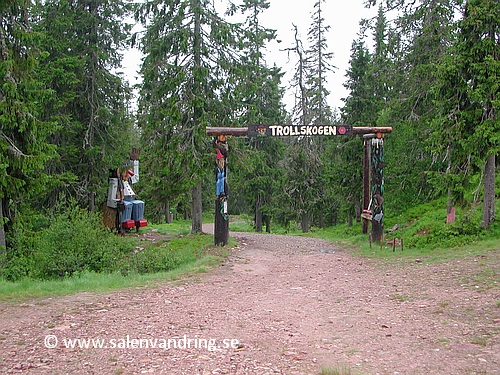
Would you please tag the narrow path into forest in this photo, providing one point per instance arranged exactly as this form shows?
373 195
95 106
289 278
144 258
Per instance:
277 305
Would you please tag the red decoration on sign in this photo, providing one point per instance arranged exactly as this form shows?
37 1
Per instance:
342 130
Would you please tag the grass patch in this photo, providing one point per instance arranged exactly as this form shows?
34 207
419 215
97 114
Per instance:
480 340
99 283
241 223
484 279
175 228
401 298
177 255
338 370
425 235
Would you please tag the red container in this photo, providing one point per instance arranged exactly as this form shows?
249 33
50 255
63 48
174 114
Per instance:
128 224
141 223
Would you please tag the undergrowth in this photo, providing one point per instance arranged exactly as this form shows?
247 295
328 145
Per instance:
72 252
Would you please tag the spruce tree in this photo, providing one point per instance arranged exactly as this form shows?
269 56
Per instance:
83 40
189 54
257 90
468 100
23 136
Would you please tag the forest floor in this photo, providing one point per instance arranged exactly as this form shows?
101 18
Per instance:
277 305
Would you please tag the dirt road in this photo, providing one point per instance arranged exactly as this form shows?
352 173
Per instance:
278 305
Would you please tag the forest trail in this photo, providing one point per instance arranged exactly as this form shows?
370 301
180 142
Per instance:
277 305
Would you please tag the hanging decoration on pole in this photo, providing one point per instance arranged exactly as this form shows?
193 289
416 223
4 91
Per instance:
221 228
366 214
377 192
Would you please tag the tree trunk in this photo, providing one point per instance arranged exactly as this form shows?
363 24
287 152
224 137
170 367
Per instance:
3 243
196 209
92 201
357 209
258 216
321 220
489 192
267 221
305 222
168 215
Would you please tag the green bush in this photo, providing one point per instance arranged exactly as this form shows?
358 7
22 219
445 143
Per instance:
167 256
72 242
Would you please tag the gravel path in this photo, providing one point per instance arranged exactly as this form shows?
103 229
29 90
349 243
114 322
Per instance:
277 305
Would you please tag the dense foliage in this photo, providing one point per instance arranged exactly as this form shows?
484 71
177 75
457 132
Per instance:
428 68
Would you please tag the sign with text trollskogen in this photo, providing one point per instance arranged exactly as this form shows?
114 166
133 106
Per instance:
298 130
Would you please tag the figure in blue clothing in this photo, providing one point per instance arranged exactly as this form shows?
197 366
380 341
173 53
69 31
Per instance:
134 208
121 196
219 183
221 169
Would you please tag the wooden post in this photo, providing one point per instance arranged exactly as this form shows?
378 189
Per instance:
221 223
221 219
366 182
377 198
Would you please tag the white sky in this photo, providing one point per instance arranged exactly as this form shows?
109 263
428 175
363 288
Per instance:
342 16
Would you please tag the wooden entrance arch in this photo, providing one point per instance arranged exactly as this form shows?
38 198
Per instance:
373 167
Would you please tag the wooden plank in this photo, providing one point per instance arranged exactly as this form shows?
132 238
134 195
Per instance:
237 132
370 130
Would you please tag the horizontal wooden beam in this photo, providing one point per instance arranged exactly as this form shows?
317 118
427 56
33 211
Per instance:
370 130
237 132
243 132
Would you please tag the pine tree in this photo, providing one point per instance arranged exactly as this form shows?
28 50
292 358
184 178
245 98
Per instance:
419 42
468 92
479 45
83 39
357 108
318 62
257 88
23 137
189 55
318 67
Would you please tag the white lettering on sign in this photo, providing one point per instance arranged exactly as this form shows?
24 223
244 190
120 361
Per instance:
285 130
